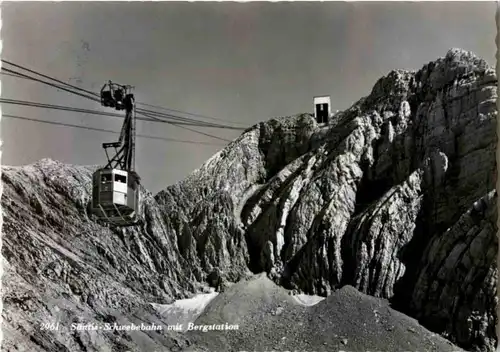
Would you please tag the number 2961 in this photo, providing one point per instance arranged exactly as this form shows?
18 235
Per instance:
50 326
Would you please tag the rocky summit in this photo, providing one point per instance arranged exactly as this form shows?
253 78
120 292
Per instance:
389 211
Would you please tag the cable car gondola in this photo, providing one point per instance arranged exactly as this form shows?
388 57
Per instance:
115 187
115 96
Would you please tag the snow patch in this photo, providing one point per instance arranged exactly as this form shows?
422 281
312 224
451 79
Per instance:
308 300
184 311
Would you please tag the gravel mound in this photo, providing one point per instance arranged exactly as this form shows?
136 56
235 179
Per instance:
270 319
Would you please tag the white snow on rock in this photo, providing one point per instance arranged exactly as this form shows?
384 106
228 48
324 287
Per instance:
308 300
184 311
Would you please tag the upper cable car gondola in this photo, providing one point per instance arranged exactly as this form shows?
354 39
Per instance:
115 187
115 96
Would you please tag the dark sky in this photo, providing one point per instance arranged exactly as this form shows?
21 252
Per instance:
245 62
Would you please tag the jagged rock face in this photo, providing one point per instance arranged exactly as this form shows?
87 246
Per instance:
45 208
394 198
457 279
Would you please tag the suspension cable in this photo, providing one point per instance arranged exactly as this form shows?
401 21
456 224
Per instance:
108 131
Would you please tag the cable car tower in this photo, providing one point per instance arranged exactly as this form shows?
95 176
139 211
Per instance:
115 187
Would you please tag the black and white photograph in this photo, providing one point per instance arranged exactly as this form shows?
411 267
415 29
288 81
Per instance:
249 176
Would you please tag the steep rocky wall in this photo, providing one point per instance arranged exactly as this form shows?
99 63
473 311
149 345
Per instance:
456 286
361 200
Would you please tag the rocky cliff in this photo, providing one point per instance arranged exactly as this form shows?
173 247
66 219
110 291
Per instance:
394 197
